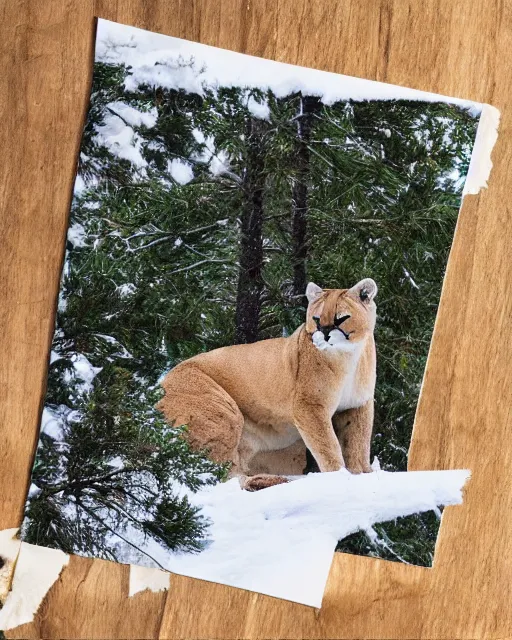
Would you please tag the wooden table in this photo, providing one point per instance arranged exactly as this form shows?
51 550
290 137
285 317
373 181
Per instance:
464 419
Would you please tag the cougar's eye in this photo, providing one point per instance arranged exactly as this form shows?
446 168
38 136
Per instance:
340 320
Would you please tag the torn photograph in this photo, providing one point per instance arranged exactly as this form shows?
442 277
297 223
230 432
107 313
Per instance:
252 271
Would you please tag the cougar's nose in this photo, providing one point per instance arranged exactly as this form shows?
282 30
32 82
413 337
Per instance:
322 328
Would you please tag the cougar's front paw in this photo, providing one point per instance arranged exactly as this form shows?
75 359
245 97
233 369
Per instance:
262 481
357 467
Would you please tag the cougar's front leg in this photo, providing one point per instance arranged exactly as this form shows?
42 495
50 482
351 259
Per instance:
353 428
316 429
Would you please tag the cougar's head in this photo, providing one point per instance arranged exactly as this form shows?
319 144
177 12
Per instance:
341 318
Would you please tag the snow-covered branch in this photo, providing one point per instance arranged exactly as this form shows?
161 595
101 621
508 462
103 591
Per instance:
199 264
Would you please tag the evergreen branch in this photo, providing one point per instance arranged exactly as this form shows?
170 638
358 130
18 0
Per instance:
187 246
114 113
84 483
167 237
150 244
116 533
198 264
319 155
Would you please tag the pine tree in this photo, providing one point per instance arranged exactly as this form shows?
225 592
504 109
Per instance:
250 281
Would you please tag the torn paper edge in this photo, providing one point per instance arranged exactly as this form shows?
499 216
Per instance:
9 550
37 569
145 578
481 164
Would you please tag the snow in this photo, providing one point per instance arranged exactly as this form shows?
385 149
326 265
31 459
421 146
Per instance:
80 185
198 136
77 235
481 164
51 424
54 356
219 164
126 289
133 116
119 137
259 110
409 277
122 352
180 171
173 63
84 369
116 463
33 491
280 541
63 303
54 419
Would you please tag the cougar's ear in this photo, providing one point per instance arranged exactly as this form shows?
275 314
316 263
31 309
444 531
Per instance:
366 290
313 291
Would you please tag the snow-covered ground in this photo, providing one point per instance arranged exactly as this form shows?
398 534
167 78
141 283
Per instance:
280 541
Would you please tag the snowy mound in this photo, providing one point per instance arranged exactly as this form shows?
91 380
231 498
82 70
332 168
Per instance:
280 541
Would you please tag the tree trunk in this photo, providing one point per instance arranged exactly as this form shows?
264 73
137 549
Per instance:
250 281
310 105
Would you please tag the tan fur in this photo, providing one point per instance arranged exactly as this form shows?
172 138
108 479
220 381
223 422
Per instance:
259 405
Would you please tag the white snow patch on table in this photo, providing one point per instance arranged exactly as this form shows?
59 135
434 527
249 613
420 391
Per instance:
280 541
37 569
9 549
143 578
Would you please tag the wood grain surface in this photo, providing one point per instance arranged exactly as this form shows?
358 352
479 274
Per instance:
454 47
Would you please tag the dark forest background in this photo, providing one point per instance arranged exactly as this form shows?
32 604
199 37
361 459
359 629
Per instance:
206 235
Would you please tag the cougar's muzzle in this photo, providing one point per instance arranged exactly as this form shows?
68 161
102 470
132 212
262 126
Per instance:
327 328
